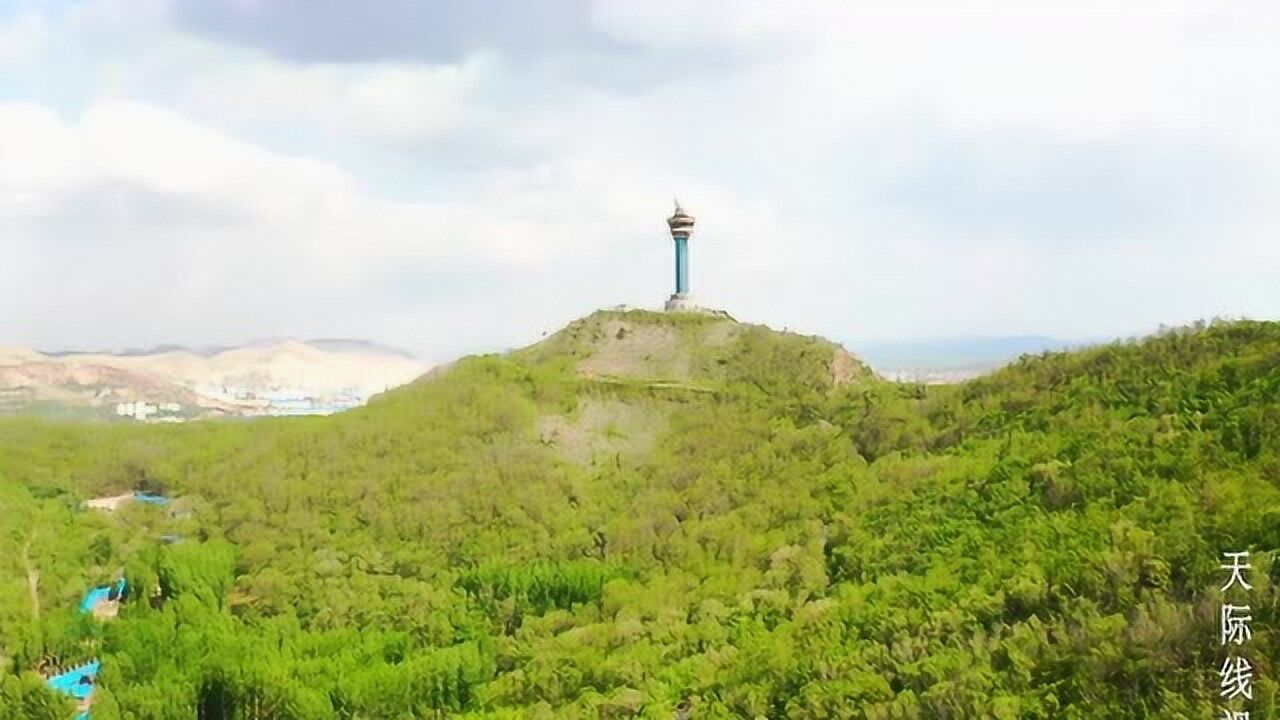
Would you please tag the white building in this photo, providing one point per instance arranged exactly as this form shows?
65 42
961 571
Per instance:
139 410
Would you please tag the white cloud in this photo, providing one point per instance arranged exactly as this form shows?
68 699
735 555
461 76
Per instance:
398 104
23 39
39 152
144 219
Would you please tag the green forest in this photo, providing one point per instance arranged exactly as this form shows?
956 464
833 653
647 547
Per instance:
669 516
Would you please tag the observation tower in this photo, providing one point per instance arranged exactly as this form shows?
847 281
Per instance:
681 224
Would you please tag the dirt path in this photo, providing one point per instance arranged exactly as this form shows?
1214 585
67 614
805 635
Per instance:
33 579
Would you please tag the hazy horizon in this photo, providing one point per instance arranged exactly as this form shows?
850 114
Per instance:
948 352
853 344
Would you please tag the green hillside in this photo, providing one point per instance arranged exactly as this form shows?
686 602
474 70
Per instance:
652 515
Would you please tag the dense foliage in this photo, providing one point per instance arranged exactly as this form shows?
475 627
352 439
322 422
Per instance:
729 532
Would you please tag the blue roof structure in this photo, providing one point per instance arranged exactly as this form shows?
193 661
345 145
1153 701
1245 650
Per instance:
149 498
102 593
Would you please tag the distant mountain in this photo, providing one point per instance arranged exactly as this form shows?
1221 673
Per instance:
62 389
340 345
263 377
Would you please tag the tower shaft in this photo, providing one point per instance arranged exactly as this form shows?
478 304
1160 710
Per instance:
682 265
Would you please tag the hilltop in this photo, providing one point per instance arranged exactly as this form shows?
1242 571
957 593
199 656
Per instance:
658 515
678 348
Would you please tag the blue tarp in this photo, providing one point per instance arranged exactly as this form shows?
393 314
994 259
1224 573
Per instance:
101 593
93 597
148 498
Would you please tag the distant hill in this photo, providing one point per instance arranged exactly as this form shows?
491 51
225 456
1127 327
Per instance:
227 381
339 345
343 345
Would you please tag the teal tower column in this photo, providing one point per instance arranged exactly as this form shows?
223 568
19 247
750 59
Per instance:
681 224
682 265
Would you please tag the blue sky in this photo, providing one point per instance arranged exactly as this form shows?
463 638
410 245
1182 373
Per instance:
454 177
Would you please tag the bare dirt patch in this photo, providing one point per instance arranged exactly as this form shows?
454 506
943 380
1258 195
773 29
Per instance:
625 349
720 334
602 430
33 579
845 368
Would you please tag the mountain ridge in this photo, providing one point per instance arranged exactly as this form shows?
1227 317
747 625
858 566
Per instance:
330 344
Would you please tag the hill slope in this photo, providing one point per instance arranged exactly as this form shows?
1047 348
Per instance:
651 514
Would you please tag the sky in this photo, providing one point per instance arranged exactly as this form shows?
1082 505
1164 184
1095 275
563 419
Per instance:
450 177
